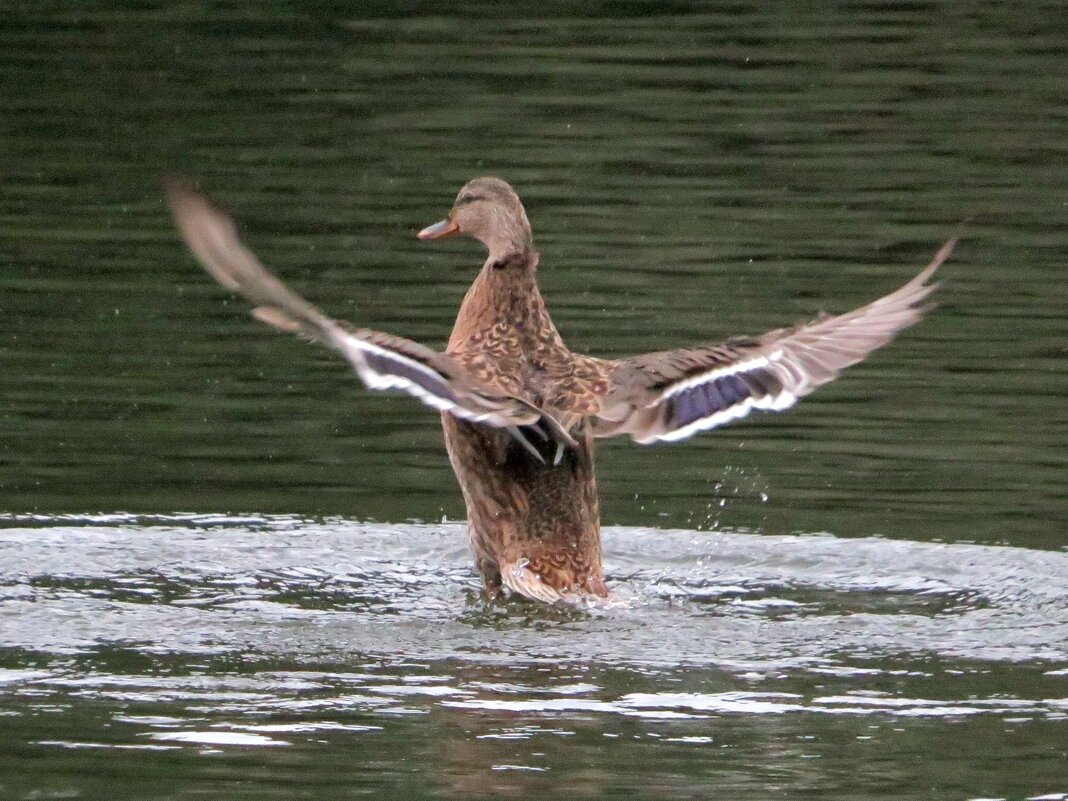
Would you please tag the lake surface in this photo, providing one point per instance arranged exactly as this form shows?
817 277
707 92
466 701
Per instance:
229 571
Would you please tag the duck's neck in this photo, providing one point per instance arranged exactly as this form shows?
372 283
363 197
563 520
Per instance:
503 298
508 235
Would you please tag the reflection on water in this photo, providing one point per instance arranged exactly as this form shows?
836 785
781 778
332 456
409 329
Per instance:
338 641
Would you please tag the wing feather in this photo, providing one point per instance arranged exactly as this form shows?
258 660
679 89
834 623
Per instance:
671 395
382 361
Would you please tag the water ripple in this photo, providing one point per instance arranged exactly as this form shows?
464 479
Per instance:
320 589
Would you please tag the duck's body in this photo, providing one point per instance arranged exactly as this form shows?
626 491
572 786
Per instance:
520 410
533 523
534 528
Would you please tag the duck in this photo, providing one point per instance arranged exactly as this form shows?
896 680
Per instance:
521 411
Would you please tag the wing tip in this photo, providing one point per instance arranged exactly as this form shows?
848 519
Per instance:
176 185
939 258
185 199
203 226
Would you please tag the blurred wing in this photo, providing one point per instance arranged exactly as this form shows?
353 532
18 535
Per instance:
381 360
672 395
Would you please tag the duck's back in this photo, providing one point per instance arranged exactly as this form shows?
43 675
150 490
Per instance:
534 524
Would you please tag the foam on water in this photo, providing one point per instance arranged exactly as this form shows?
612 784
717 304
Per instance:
322 589
215 634
281 641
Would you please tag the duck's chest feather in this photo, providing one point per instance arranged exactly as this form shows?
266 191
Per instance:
505 337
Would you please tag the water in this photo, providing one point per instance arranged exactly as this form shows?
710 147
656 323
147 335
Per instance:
860 599
741 664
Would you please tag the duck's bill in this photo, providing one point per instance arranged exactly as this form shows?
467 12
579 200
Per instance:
439 229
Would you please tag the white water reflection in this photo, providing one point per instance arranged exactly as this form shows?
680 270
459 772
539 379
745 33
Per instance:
282 708
704 628
753 605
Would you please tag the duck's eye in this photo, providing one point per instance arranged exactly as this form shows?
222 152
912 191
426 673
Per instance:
464 199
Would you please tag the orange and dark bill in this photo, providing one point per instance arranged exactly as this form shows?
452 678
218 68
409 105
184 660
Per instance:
439 229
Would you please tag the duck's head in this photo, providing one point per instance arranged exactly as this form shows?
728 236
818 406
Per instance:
489 210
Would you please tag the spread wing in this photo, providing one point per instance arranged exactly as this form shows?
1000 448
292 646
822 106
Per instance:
672 395
382 361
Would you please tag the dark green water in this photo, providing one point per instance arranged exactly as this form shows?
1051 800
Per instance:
245 630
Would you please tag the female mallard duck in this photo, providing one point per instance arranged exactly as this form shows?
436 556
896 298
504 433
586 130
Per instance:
520 410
